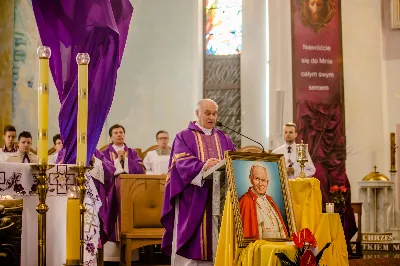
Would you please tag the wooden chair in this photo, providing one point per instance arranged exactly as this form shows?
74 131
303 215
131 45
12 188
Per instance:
51 151
254 149
357 208
141 204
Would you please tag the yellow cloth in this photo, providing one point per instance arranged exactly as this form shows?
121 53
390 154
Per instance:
262 252
227 244
330 230
307 202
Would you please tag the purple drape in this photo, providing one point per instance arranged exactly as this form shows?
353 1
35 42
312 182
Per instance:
321 126
96 27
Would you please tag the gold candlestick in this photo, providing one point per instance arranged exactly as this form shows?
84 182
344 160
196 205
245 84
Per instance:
73 227
81 157
301 151
42 188
393 148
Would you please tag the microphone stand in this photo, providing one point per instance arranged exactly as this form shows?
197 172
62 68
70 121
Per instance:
222 125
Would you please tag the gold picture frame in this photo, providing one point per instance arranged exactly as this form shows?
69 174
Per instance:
395 14
240 163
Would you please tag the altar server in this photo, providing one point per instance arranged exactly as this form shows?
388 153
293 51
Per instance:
289 150
23 154
156 162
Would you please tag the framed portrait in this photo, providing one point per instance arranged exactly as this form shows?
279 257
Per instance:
395 11
261 197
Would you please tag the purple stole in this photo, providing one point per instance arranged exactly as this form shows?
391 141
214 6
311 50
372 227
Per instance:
136 166
191 149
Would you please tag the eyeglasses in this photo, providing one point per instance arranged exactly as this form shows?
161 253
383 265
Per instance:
165 138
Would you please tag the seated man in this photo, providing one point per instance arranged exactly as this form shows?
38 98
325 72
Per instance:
9 136
289 151
156 161
260 215
24 154
58 145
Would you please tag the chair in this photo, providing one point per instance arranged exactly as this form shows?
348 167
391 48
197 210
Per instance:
51 151
357 208
254 149
141 204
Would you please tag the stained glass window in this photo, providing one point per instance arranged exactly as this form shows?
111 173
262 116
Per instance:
223 27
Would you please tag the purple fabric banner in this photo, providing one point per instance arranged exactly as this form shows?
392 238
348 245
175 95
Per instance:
99 28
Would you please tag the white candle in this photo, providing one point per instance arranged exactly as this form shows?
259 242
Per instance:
330 207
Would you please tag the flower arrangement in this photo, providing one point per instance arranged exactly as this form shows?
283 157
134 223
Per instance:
304 242
338 195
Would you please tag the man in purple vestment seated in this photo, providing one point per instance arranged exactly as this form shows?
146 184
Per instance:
126 161
187 208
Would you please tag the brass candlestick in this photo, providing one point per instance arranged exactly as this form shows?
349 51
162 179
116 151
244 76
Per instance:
393 148
41 189
301 151
81 182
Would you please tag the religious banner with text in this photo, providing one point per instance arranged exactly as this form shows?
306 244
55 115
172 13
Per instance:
318 98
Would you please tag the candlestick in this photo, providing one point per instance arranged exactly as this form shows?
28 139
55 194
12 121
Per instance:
83 62
81 158
44 54
393 148
73 225
301 152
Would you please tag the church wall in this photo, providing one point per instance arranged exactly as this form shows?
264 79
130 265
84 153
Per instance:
160 78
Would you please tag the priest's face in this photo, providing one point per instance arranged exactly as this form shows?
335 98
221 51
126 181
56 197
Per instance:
259 179
25 144
207 114
162 140
9 138
290 134
118 136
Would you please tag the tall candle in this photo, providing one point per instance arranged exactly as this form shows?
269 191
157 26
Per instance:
44 54
83 62
73 226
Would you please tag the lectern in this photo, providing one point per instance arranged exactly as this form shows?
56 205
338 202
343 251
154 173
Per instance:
219 189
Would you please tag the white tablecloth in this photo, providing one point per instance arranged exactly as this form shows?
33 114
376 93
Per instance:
17 180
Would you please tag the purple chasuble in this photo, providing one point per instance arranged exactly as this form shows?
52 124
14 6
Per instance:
190 150
136 166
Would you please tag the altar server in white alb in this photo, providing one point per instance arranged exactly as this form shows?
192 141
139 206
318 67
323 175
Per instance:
156 162
289 150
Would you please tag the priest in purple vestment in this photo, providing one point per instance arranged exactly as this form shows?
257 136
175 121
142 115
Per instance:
187 208
126 161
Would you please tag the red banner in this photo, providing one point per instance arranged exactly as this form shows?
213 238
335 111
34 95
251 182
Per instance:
317 65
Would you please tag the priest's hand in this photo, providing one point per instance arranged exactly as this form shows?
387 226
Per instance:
121 155
290 171
210 163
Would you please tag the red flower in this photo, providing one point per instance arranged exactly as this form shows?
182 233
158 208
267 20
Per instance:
333 189
299 244
308 259
343 188
305 237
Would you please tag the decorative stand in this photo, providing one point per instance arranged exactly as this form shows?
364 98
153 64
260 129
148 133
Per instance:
81 183
42 208
302 158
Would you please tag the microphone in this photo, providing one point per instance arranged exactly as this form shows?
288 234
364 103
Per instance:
219 124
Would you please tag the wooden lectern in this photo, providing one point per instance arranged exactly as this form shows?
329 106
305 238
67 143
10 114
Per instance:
141 204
